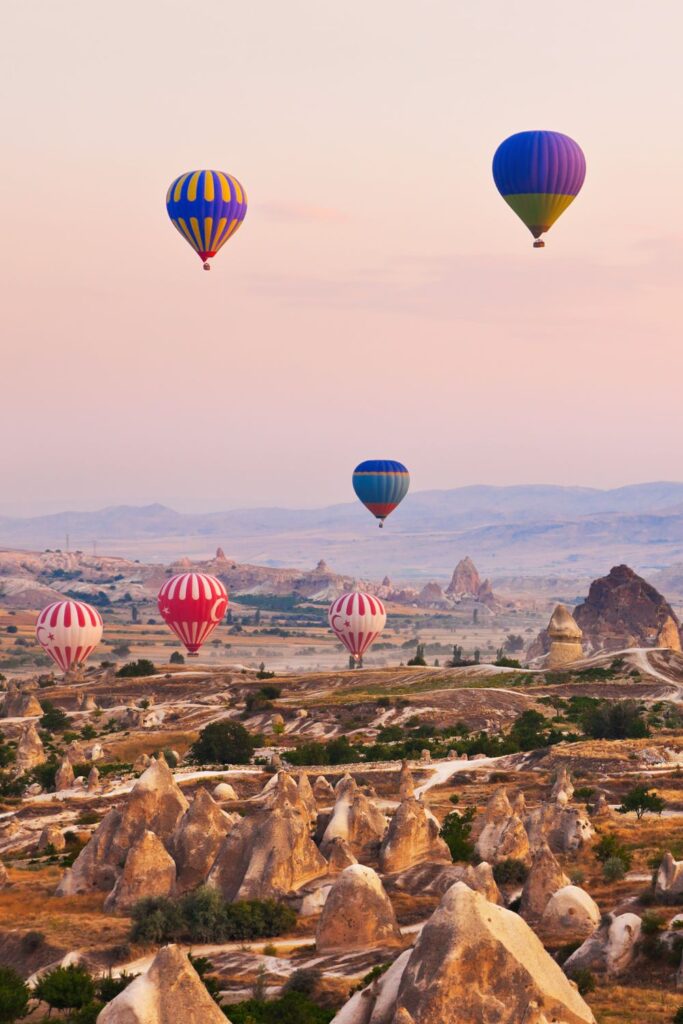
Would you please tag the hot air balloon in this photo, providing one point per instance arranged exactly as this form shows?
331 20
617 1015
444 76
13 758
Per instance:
69 631
381 484
357 619
539 174
192 604
207 208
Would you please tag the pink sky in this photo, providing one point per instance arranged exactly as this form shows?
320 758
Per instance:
380 299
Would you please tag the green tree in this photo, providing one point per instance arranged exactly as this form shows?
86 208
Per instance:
610 847
223 743
53 719
455 832
643 801
177 658
66 988
14 996
616 720
419 658
134 669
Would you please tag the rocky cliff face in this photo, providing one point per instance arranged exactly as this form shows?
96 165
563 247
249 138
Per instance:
622 610
466 583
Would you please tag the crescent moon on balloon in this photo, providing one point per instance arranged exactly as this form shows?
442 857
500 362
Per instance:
332 623
39 630
214 616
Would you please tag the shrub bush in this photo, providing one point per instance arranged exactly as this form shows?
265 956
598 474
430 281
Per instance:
66 988
510 872
223 743
613 869
135 669
14 996
455 832
204 916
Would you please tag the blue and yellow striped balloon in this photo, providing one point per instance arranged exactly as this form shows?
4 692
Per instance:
207 208
381 484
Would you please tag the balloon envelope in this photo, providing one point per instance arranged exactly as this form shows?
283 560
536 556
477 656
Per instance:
381 484
539 174
192 604
357 619
207 208
69 631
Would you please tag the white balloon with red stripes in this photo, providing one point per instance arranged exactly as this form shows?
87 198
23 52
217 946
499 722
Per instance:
192 604
69 631
357 619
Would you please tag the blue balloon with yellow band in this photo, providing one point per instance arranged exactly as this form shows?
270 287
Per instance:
381 484
207 208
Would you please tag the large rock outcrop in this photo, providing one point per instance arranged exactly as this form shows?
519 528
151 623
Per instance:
669 879
20 704
434 879
197 839
356 820
564 828
502 835
267 854
466 583
611 949
357 914
412 836
149 871
473 962
170 992
622 610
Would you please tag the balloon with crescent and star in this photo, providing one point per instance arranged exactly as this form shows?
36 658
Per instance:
69 631
381 484
357 619
206 208
539 174
192 604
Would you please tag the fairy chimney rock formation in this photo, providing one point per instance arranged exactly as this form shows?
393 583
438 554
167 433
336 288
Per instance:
197 838
565 639
503 835
406 784
19 704
357 913
472 962
623 610
412 836
30 750
570 915
148 871
170 992
545 878
64 776
356 820
323 791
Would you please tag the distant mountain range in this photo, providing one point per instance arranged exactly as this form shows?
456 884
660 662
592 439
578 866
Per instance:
508 531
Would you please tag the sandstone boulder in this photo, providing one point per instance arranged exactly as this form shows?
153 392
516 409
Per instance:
611 949
570 915
669 880
545 878
357 914
502 835
412 836
170 992
30 750
51 836
473 962
142 763
149 871
224 792
267 854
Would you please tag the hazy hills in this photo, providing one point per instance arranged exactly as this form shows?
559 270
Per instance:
508 531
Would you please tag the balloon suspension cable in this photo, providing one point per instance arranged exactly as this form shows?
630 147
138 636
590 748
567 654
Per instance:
206 266
539 244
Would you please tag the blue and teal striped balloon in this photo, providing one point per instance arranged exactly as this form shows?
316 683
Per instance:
381 484
207 208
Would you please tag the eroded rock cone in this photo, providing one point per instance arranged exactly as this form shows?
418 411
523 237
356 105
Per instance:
356 820
406 784
149 871
503 835
94 870
562 784
357 913
197 839
543 881
30 750
570 915
472 962
93 779
323 791
51 836
19 704
64 776
611 949
339 856
267 854
171 992
412 836
305 795
565 829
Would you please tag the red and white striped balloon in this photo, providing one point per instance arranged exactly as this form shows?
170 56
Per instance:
357 619
192 604
69 631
